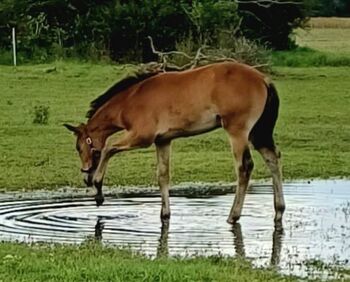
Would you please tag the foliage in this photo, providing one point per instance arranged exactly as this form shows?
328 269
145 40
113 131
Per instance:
273 23
243 50
329 8
225 46
164 21
212 17
119 28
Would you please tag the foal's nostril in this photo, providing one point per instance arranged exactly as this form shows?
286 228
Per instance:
99 200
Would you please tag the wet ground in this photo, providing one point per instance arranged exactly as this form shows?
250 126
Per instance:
316 224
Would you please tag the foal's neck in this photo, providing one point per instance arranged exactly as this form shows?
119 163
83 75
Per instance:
99 128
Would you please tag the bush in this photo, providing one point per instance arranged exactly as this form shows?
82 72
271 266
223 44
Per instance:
41 114
226 46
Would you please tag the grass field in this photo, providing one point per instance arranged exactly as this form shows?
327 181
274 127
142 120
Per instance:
326 42
326 34
330 22
92 262
333 40
312 131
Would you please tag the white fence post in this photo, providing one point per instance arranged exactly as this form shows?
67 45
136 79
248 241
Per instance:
14 46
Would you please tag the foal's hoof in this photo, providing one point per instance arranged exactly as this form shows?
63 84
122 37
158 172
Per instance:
99 200
232 220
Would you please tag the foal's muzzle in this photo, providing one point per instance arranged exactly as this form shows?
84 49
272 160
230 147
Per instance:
88 171
88 175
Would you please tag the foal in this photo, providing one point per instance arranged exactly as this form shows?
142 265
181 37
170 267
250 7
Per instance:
157 108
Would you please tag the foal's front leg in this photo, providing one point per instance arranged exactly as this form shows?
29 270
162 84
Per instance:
163 155
99 174
97 179
128 141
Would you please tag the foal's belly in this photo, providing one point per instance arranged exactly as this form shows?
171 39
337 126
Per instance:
187 127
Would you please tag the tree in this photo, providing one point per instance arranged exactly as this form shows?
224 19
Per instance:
272 22
327 8
119 28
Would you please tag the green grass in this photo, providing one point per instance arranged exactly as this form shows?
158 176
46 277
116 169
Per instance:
317 47
312 131
306 57
91 262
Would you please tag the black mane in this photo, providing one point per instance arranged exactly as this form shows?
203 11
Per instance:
115 89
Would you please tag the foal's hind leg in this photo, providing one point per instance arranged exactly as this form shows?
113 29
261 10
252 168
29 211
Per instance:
244 166
271 157
163 155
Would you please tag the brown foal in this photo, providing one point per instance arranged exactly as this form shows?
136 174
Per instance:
157 108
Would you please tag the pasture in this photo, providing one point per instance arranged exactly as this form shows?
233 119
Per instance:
91 262
324 42
326 34
312 130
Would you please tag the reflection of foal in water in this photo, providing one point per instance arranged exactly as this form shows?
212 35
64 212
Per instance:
157 108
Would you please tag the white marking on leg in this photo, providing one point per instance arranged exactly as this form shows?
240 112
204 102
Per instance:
271 158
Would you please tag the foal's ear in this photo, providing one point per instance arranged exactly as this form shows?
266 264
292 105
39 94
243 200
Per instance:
74 129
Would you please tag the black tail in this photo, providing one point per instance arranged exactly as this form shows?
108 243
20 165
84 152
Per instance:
261 135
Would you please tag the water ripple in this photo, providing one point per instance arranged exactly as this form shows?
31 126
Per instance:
316 224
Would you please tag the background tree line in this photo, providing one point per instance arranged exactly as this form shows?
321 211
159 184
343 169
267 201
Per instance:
118 29
330 8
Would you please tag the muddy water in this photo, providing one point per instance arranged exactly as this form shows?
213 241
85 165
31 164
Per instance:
316 224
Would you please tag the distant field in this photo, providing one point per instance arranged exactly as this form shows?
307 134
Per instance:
326 34
331 22
325 42
334 40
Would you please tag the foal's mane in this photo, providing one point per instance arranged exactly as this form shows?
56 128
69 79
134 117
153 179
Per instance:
118 87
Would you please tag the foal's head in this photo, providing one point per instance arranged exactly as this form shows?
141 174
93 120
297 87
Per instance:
88 154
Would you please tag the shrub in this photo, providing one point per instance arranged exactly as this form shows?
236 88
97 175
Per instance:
41 114
226 46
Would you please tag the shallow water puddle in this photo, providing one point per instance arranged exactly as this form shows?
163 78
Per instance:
316 225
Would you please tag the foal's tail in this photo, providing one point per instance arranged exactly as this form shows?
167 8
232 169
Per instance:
261 136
